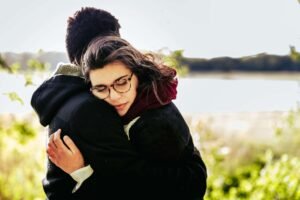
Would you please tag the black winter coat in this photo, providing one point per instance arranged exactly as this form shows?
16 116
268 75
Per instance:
120 171
162 135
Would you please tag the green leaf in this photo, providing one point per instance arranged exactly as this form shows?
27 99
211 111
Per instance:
28 80
13 96
15 67
34 64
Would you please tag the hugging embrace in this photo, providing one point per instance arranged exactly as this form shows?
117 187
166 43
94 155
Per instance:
113 129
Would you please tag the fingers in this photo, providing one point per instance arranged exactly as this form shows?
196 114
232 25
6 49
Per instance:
51 147
61 147
51 143
70 144
64 153
53 159
51 151
56 149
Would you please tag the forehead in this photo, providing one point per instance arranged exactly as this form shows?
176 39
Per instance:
109 73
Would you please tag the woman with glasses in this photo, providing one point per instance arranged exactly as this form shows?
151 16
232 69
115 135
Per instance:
141 90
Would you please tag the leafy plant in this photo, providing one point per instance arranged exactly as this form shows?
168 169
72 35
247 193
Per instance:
266 178
174 59
13 96
22 160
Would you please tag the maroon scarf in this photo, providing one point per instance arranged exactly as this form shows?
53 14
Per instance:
167 91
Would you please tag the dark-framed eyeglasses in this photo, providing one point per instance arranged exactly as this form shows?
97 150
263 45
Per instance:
121 85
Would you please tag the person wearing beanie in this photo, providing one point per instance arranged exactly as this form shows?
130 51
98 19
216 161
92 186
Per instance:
121 170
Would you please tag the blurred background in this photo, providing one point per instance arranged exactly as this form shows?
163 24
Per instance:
239 88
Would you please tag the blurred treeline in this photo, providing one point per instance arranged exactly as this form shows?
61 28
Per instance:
260 62
237 168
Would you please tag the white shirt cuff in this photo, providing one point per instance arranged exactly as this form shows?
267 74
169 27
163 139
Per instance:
81 175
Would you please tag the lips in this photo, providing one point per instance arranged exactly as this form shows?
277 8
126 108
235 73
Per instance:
120 106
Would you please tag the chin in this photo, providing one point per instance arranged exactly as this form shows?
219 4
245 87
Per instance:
122 113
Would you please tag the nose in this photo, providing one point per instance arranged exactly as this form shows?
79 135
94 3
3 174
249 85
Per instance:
114 95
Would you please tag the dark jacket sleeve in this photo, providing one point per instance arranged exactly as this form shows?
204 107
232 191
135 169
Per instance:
57 184
161 134
117 164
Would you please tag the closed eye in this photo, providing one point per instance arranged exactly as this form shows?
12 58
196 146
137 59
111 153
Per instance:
100 88
121 82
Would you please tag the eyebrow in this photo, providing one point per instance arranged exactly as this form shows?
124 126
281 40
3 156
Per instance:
101 85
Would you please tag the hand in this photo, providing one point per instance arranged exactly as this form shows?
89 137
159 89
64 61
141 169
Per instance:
67 157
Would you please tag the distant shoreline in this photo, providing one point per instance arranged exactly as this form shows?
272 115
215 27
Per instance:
285 75
261 62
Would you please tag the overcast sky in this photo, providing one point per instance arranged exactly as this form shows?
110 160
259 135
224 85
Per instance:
202 28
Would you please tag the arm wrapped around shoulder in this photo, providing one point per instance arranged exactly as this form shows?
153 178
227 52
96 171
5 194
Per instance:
161 134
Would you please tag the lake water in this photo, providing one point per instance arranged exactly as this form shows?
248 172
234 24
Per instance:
195 94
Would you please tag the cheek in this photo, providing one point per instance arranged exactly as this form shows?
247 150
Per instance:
135 85
133 93
131 97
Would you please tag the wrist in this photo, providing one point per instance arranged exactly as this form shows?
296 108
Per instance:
81 175
76 168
